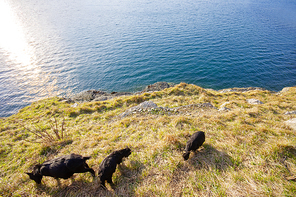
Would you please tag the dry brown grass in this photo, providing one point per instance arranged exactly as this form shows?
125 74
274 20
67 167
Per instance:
248 150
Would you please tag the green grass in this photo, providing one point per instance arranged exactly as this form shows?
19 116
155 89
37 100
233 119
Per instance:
248 151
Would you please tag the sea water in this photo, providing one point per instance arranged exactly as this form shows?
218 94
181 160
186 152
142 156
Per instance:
62 47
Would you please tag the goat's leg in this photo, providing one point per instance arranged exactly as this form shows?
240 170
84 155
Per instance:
88 169
109 180
103 184
91 171
84 169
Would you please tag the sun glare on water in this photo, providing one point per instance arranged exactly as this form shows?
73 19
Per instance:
20 55
12 37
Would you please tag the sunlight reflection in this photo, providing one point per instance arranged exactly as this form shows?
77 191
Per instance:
12 37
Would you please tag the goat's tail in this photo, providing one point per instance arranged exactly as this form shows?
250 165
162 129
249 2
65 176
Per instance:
86 158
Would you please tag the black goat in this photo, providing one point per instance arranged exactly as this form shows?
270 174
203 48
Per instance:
61 167
108 165
195 141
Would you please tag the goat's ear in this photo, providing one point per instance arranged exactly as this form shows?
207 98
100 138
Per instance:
86 158
38 166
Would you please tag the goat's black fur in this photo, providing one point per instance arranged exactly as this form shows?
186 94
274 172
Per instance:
195 141
61 167
108 165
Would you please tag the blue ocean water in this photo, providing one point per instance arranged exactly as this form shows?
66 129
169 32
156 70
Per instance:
62 47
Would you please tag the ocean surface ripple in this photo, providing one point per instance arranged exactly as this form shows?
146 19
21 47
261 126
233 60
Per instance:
60 48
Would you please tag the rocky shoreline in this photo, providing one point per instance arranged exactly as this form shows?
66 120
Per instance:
97 95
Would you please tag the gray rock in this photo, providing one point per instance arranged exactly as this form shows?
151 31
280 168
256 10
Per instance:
86 96
95 95
115 94
290 112
74 105
224 109
66 100
147 105
240 89
103 98
157 87
285 89
254 101
207 105
291 123
224 104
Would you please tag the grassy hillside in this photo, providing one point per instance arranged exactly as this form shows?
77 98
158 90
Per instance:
249 150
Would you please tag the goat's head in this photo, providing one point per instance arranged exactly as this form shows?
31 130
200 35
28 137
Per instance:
186 155
126 152
35 174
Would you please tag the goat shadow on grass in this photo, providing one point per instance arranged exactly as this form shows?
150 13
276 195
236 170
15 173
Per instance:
75 188
129 178
209 157
43 189
125 181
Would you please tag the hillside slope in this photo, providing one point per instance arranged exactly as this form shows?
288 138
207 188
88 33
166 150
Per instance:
249 149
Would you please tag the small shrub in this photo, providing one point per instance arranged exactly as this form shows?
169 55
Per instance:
45 135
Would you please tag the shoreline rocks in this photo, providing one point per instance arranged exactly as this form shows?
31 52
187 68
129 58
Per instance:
240 89
97 95
158 86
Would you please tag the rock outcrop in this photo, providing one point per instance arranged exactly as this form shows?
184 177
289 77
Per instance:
291 123
157 87
149 106
241 89
97 95
254 101
290 112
